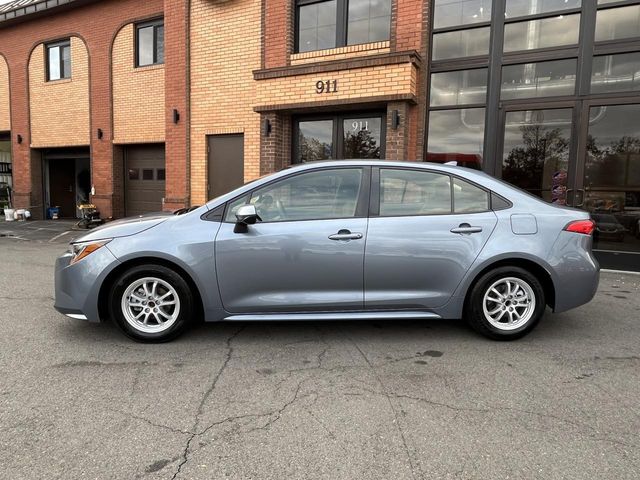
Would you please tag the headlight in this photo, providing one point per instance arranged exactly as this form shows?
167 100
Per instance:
83 249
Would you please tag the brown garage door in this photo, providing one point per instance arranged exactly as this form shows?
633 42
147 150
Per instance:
144 179
226 163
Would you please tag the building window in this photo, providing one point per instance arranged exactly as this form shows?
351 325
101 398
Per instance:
336 23
150 43
58 60
340 136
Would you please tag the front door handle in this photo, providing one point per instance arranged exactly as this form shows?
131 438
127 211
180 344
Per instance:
345 234
465 228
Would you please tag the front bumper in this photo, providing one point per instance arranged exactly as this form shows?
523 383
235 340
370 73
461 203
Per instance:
77 286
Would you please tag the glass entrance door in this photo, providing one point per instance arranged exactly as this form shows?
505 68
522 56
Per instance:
585 155
537 152
608 180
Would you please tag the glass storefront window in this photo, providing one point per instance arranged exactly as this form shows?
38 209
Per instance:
456 135
547 32
520 8
462 87
461 43
449 13
362 137
315 140
340 136
612 176
618 23
616 73
536 152
543 79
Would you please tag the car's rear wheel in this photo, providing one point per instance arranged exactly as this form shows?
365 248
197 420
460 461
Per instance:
151 303
506 303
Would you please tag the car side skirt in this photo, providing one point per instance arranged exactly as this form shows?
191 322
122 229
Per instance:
380 315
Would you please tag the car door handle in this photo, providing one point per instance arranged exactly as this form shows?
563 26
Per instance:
465 228
345 235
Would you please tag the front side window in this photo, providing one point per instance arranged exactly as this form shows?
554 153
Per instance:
316 195
413 192
150 43
59 60
336 23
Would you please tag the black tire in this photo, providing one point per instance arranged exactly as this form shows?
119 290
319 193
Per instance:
474 311
185 302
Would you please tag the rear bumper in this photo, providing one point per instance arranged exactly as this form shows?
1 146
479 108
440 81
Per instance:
77 286
577 271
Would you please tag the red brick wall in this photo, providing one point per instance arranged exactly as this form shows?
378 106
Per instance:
176 72
408 27
96 23
278 32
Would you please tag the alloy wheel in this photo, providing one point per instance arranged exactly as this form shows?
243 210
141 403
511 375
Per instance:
509 303
150 305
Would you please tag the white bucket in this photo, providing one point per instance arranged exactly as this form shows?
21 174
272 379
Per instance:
8 214
19 215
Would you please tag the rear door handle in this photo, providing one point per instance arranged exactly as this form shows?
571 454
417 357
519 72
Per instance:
465 228
345 234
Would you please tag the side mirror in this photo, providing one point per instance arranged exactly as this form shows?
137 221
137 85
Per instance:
246 215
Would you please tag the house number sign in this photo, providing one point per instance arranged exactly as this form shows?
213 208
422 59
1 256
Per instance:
326 86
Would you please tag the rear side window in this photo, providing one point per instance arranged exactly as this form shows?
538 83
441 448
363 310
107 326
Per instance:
413 192
468 198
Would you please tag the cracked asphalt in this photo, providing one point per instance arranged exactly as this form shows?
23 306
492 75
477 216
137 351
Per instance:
351 400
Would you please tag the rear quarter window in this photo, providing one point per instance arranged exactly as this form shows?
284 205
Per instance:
469 198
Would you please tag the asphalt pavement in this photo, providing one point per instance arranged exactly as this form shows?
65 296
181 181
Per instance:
343 400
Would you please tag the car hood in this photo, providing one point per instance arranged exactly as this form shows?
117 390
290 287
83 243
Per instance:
124 227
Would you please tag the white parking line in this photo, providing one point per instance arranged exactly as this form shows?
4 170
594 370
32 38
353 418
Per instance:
58 236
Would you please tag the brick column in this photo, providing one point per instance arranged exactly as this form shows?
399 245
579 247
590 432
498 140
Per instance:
176 71
275 147
398 139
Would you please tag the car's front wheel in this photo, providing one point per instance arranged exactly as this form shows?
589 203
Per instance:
151 303
506 303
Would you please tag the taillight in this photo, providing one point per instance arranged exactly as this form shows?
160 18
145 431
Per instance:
585 227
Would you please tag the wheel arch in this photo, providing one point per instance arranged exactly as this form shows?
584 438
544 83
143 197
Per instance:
107 283
533 267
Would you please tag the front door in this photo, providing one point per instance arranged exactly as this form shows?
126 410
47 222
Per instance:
306 254
424 234
62 186
584 154
225 163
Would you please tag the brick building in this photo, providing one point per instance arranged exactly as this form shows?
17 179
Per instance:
141 106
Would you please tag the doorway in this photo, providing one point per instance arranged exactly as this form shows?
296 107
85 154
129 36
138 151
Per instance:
67 181
225 163
584 154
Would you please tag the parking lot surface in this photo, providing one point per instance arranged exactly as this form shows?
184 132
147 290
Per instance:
343 400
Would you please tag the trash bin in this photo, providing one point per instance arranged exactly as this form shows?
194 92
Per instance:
53 213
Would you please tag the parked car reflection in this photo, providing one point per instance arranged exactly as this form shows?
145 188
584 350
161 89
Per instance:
608 228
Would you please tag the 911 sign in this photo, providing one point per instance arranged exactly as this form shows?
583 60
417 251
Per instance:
326 86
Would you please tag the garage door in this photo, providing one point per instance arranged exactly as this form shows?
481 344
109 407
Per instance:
144 179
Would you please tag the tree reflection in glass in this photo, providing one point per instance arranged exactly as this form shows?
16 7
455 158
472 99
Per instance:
536 153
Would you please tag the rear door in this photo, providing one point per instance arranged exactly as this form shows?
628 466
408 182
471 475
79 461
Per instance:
425 230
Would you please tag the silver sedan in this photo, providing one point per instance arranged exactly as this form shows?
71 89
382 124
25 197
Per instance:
338 240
